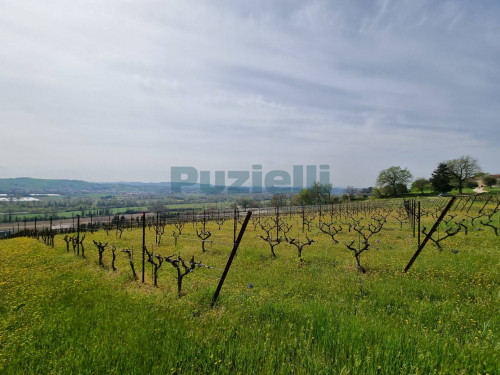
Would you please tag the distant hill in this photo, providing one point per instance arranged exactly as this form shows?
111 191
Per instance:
35 185
26 185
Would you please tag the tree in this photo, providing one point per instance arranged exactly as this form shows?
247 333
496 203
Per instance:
158 208
316 194
489 180
323 192
471 183
304 198
280 199
461 169
245 202
420 184
393 179
350 192
440 179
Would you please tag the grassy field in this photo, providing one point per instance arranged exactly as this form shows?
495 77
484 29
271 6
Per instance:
64 314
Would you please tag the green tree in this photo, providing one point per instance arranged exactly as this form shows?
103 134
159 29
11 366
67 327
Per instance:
440 179
471 184
322 192
393 179
304 198
280 199
316 194
489 180
420 184
245 202
461 169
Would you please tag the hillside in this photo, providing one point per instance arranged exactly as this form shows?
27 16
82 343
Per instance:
27 185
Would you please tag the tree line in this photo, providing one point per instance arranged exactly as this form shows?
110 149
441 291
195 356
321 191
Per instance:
459 173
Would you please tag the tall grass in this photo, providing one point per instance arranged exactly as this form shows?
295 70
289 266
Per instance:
63 314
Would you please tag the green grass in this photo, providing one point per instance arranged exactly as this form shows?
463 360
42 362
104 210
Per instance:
64 314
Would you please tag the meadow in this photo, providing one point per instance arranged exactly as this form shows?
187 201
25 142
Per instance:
318 314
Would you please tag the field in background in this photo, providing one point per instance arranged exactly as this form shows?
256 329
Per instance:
63 314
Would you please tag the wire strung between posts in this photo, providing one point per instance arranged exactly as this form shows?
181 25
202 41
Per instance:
210 276
211 241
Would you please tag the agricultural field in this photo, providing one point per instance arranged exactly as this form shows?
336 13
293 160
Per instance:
344 306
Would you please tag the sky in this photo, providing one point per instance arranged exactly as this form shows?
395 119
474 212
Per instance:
124 90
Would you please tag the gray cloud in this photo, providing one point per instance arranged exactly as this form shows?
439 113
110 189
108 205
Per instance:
124 90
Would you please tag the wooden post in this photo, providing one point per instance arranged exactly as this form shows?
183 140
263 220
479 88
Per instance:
235 226
143 243
418 221
431 232
77 234
231 257
277 221
303 219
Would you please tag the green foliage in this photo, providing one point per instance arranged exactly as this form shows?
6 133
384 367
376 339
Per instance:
377 193
440 179
316 194
489 180
394 180
246 202
304 198
420 184
471 184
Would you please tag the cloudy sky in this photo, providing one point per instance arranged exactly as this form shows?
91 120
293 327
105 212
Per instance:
122 90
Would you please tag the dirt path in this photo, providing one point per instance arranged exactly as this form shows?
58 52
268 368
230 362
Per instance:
479 190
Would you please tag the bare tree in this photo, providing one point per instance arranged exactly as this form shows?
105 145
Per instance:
176 235
298 244
159 229
451 229
130 253
100 248
179 226
365 232
113 257
331 229
271 226
350 192
400 215
68 240
488 222
156 261
203 234
463 168
307 219
220 221
81 245
74 243
183 268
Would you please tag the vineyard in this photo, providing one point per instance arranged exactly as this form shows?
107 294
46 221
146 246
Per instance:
370 287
